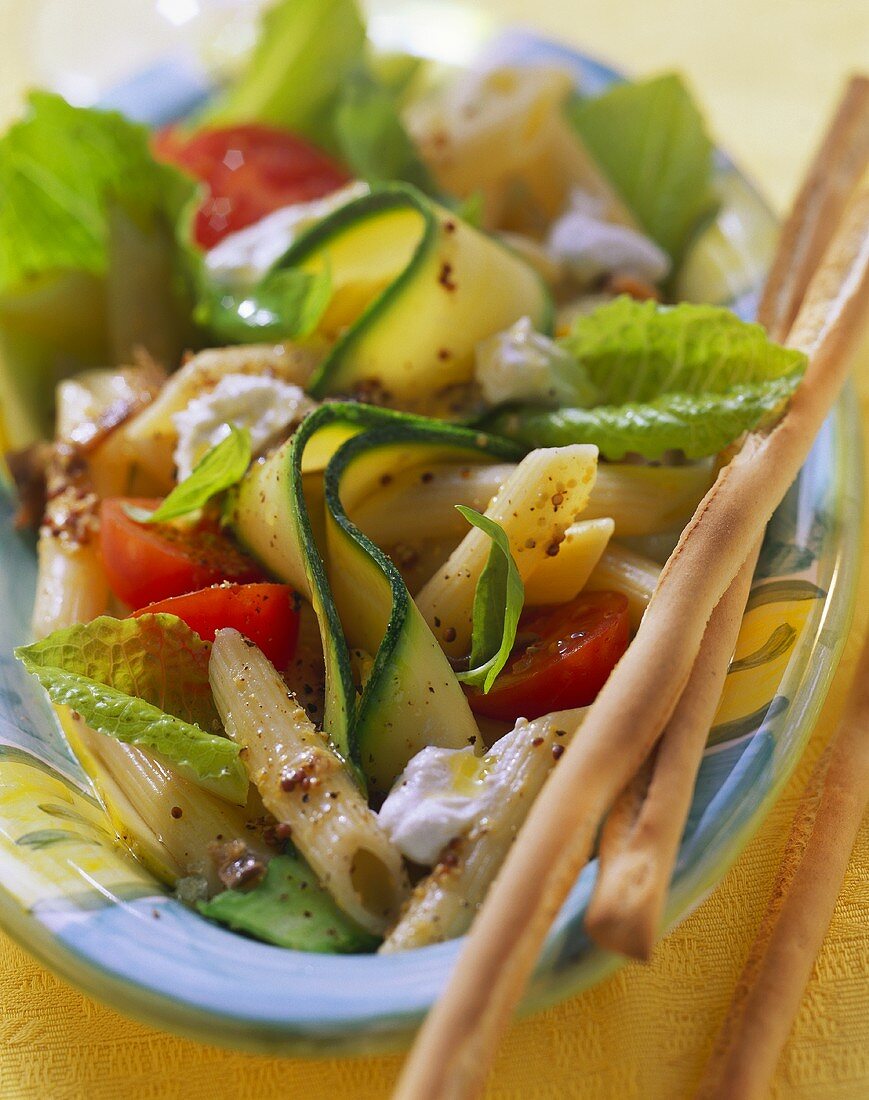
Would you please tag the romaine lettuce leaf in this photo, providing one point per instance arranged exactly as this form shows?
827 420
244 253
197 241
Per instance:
689 377
696 424
650 140
498 601
637 351
291 909
371 136
143 681
93 253
304 52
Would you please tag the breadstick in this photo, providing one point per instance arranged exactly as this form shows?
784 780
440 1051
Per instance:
813 867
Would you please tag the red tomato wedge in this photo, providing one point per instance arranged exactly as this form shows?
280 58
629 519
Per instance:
147 562
249 171
572 651
264 613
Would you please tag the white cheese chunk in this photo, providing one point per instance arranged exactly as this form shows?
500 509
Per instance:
266 406
589 246
443 793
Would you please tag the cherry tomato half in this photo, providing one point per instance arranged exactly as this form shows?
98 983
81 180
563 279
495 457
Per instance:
265 613
249 171
147 562
572 650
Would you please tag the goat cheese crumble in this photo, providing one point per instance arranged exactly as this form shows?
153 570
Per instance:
266 406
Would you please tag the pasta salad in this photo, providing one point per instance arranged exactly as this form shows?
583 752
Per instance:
402 419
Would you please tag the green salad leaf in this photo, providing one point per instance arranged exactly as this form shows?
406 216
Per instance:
651 142
689 377
636 351
62 170
94 253
696 424
285 303
291 909
221 467
498 601
143 681
305 51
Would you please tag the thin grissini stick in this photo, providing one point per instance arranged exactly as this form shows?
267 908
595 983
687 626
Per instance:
800 909
639 845
835 172
457 1041
640 838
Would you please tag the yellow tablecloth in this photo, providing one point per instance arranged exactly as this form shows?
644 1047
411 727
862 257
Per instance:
768 72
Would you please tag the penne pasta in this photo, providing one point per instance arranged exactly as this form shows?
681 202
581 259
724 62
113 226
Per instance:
640 500
168 822
503 133
432 491
626 571
71 585
305 785
648 500
543 495
562 578
443 905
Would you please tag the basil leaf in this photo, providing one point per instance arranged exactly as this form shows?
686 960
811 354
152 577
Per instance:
218 469
143 681
498 601
285 303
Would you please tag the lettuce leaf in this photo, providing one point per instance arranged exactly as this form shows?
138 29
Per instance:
498 601
690 378
305 51
94 257
696 424
636 351
143 681
62 169
371 136
651 142
291 909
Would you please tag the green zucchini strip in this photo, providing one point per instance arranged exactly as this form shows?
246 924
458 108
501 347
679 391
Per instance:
301 531
414 288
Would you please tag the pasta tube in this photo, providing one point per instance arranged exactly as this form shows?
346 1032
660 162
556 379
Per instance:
503 133
71 586
168 822
648 500
443 905
305 785
538 502
562 578
640 500
626 571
